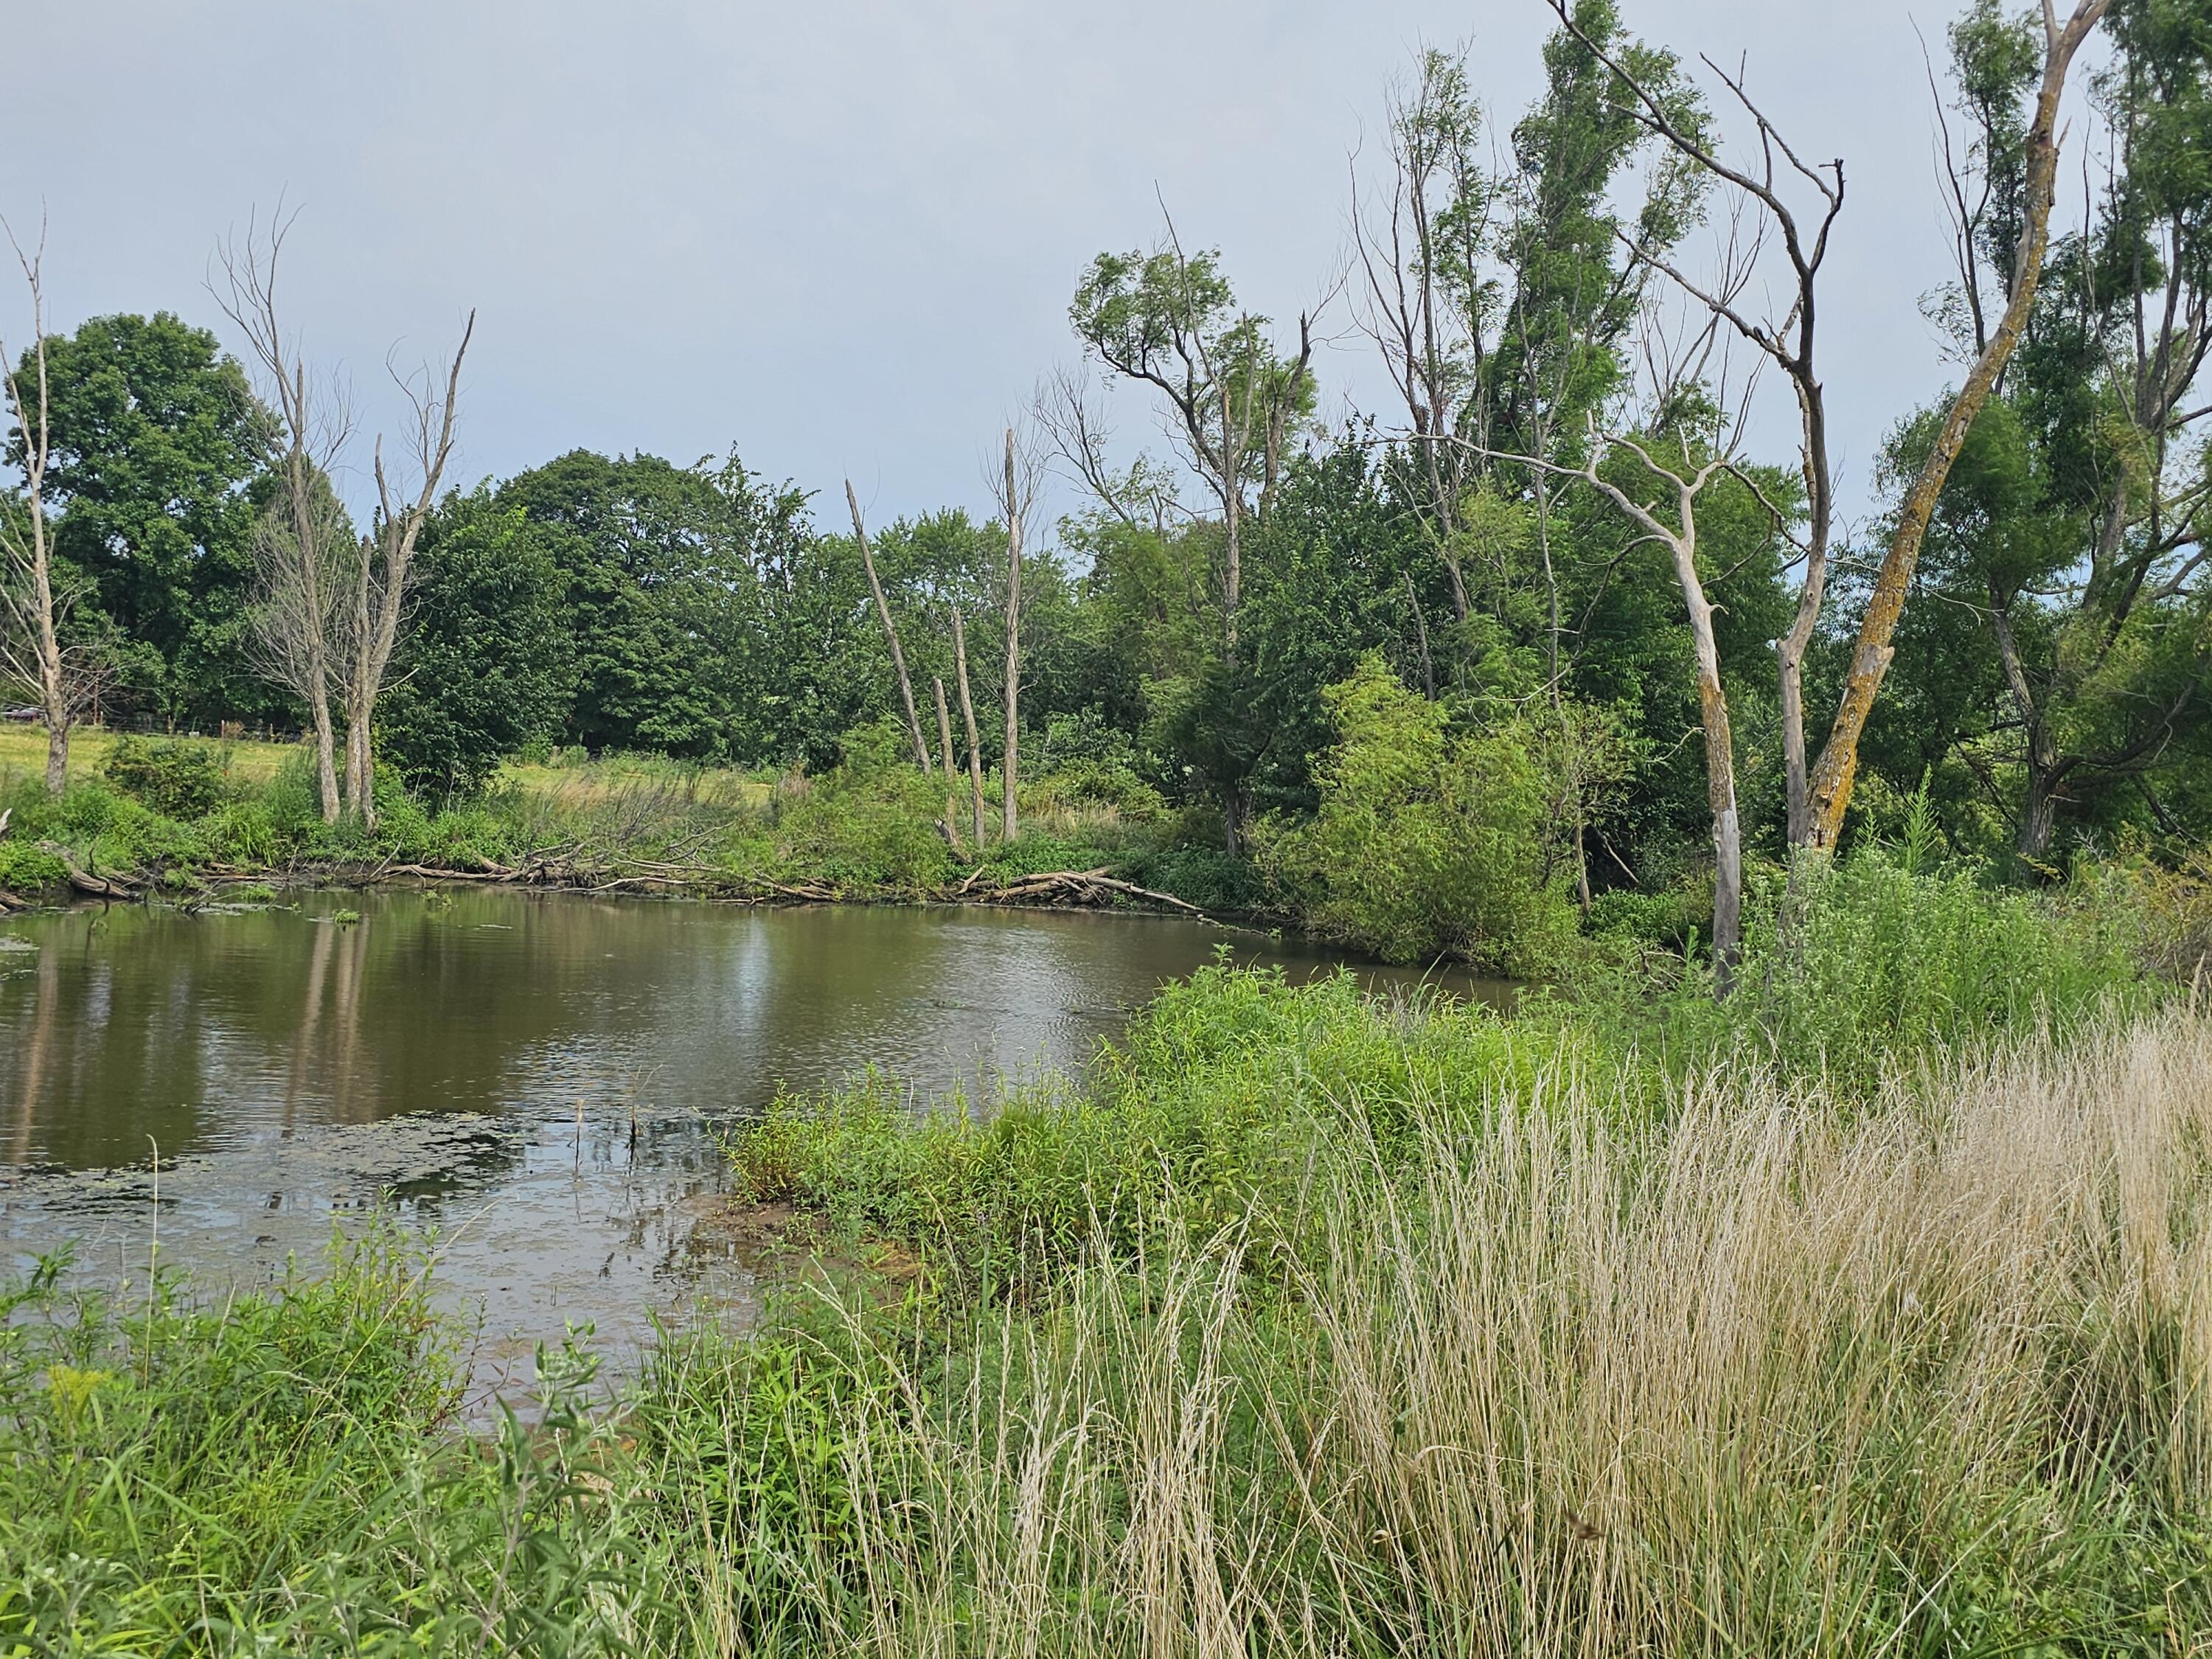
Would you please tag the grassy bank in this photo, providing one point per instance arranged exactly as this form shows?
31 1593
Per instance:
1313 1325
158 816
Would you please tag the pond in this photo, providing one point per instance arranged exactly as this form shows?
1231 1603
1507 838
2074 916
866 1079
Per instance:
538 1080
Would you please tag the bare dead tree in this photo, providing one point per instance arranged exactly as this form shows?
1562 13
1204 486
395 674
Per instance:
1688 481
1820 793
36 599
1419 248
1786 340
968 719
297 609
304 553
386 561
1674 360
1016 490
890 633
1065 411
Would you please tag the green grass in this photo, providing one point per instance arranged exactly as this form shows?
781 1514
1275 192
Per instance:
23 751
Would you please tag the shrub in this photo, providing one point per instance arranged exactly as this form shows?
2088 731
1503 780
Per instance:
1876 960
871 822
25 868
1428 843
179 779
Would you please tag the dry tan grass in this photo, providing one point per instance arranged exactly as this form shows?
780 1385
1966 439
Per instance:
1772 1378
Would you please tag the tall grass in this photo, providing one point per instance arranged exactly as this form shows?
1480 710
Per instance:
1751 1378
1853 966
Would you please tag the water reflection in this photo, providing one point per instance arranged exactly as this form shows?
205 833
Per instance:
483 1055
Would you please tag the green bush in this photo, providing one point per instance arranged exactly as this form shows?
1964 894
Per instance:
25 868
178 778
1427 841
1227 1099
871 822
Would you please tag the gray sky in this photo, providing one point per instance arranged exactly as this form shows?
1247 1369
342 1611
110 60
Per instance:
841 236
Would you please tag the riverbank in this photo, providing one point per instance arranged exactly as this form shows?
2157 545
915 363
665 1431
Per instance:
1316 1325
188 820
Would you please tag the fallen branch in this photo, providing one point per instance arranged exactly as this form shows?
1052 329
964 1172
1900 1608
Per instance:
1078 886
86 882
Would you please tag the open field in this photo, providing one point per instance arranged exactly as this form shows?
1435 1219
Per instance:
23 752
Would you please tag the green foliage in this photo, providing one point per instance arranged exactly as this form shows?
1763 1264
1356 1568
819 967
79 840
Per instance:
1428 843
486 667
156 442
178 779
1882 959
25 868
869 823
1229 1097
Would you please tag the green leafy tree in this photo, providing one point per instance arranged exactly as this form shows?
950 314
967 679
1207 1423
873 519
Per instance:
487 666
157 441
1427 841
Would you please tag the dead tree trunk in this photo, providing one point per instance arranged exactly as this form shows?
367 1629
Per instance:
32 645
968 719
1837 771
1789 343
297 544
1681 539
890 633
945 748
1009 811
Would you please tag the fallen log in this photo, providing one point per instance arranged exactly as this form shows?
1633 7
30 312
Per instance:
85 882
1093 886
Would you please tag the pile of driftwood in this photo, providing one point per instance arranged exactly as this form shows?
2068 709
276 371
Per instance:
568 869
1068 887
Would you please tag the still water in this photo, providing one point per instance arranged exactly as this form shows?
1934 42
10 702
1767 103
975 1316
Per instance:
473 1063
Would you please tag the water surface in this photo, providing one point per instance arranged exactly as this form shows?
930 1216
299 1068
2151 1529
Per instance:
539 1078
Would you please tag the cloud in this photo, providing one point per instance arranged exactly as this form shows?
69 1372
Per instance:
841 236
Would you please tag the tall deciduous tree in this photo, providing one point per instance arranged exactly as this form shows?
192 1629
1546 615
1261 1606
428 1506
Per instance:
486 668
1168 320
155 441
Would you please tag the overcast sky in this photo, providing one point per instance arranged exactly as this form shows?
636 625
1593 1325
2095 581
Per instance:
839 235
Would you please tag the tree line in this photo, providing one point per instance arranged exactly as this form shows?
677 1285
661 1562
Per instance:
1560 540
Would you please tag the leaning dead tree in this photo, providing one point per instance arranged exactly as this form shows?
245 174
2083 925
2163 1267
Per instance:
304 547
1836 770
386 561
34 602
1820 794
944 752
890 633
968 719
